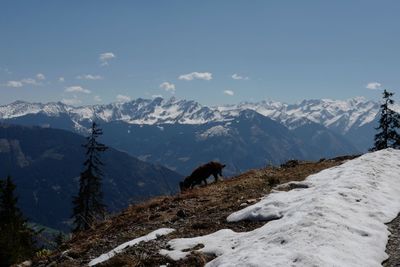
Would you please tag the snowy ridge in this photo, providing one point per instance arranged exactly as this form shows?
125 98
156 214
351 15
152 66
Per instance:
339 220
339 115
218 130
20 108
146 111
138 111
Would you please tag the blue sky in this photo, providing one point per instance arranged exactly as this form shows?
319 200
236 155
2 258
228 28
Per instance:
215 52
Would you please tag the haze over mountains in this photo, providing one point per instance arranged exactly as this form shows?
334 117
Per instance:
181 134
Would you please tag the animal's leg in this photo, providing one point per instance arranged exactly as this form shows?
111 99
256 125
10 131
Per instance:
215 176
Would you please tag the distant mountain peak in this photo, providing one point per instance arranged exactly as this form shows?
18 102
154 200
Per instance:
249 114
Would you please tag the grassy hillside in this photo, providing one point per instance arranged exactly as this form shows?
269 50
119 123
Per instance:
197 212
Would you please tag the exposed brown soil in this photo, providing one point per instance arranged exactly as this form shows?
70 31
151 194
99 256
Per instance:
393 245
196 212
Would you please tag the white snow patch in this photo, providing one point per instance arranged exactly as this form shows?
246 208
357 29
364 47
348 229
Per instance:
218 130
153 235
339 220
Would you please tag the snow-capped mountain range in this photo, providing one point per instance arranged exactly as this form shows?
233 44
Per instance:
182 134
337 115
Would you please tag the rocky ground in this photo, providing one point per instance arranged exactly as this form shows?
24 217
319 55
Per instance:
196 212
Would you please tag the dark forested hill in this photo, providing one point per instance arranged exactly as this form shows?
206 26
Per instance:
45 164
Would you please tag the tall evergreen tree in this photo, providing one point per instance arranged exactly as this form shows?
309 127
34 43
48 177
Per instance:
88 205
389 123
16 238
58 239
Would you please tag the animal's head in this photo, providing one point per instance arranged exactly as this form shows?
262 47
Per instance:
220 169
185 185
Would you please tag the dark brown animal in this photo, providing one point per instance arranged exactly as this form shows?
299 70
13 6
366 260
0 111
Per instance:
201 174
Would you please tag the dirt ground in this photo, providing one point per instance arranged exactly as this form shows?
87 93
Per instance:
393 245
200 211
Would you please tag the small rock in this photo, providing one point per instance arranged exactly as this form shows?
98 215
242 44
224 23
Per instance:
181 214
52 264
25 264
201 225
250 201
154 216
290 164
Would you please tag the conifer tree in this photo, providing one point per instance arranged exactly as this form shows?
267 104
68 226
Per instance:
389 124
16 238
88 205
58 239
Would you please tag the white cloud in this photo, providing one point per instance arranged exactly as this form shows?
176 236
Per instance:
89 77
373 86
105 57
155 96
236 76
167 86
5 70
71 101
29 81
97 98
77 89
22 83
14 84
229 92
40 76
123 98
61 79
196 75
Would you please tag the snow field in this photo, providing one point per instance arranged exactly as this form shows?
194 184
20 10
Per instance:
153 235
339 220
